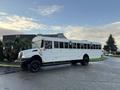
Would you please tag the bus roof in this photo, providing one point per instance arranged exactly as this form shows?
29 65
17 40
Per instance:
38 38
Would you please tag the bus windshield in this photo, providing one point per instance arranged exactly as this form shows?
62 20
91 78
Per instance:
38 44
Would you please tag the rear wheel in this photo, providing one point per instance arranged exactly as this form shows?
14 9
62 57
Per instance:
34 66
85 61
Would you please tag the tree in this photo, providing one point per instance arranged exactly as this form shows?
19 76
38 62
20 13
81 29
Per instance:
20 44
110 46
17 45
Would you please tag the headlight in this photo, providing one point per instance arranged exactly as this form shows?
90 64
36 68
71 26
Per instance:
20 55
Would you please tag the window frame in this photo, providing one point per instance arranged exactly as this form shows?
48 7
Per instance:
49 43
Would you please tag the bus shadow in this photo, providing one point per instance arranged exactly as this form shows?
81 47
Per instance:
65 67
54 70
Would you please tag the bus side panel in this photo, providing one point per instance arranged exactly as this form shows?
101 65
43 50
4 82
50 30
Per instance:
95 54
52 55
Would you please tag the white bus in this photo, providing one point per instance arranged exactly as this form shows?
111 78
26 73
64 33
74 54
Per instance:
49 50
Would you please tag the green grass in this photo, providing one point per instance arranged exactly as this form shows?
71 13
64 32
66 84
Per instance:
9 64
97 59
115 56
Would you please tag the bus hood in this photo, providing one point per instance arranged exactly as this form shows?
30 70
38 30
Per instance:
28 53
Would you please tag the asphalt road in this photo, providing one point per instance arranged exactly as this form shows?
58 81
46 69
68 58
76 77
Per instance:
104 75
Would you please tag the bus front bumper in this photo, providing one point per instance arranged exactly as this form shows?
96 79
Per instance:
22 60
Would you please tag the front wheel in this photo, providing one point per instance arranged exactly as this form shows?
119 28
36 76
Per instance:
34 66
85 61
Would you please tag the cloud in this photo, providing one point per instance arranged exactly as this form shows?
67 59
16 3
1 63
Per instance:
19 23
15 24
99 34
57 28
3 14
25 24
47 10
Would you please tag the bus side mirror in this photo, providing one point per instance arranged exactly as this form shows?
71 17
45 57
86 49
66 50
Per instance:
43 48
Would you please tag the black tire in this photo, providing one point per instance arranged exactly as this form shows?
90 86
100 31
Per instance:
24 66
34 66
74 63
85 61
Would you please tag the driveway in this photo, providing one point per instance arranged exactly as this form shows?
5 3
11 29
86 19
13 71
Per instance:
103 75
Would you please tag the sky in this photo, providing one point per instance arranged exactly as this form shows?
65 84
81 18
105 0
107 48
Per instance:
92 20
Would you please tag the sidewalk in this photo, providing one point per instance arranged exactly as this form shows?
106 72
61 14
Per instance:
6 68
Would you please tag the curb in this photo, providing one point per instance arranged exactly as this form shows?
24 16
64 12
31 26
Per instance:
9 66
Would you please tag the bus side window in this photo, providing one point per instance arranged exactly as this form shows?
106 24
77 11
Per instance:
92 46
66 44
61 44
96 46
82 46
99 46
85 46
56 44
78 45
70 44
48 44
74 45
88 46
